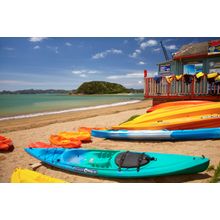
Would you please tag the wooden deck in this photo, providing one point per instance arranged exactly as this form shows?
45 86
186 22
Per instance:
160 89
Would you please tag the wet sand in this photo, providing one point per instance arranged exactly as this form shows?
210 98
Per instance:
33 122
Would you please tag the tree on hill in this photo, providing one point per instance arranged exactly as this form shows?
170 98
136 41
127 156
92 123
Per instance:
101 87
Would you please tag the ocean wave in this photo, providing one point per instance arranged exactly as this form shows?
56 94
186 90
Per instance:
68 110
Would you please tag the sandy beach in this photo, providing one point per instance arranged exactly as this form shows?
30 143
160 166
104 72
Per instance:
25 131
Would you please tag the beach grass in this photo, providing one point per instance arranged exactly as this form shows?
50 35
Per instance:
216 176
211 168
131 118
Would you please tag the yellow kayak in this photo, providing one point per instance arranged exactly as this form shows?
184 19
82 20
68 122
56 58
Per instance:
194 122
171 113
29 176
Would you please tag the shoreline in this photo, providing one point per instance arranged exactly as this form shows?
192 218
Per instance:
43 119
67 110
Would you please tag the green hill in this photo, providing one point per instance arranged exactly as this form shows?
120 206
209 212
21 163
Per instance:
101 87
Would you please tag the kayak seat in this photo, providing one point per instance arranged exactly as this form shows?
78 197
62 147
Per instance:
132 160
97 162
101 159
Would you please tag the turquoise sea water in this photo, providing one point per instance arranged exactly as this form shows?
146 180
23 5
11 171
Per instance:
12 105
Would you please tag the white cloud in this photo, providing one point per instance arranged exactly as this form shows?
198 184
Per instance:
92 71
135 53
84 72
141 63
149 43
68 44
105 53
126 76
139 39
140 82
156 49
83 75
36 47
77 71
9 48
37 39
171 47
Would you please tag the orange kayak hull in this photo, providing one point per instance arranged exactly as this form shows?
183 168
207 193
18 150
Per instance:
65 143
178 103
83 136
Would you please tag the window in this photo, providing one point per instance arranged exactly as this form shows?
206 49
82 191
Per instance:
165 68
214 66
193 68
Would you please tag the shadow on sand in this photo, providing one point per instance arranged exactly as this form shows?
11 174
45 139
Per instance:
158 142
162 179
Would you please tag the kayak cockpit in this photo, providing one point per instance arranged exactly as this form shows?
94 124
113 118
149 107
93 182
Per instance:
132 160
98 159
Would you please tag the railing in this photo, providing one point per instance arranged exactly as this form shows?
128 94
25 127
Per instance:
192 88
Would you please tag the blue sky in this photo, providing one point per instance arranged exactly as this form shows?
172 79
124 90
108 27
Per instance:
65 63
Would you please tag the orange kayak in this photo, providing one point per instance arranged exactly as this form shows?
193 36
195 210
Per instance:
6 144
64 142
83 136
178 103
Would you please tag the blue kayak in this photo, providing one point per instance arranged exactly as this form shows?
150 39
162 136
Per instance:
119 164
161 135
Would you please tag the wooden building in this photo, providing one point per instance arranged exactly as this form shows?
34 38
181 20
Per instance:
193 73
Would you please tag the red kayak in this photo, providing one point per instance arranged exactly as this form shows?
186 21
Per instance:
176 104
6 144
41 145
45 145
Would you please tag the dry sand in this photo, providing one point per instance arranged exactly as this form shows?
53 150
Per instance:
106 118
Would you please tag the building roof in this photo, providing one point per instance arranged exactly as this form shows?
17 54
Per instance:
165 62
192 50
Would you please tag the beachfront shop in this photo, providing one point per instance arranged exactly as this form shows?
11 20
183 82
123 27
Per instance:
192 73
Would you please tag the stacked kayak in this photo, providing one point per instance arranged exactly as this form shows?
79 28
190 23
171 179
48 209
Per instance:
65 142
198 116
6 144
64 139
194 122
119 164
178 103
71 139
29 176
161 135
83 136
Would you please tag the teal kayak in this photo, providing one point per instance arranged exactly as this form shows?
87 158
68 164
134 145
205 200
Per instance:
119 164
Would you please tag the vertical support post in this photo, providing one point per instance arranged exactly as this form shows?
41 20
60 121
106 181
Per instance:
146 85
193 88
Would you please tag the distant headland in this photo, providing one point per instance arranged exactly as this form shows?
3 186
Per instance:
86 88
